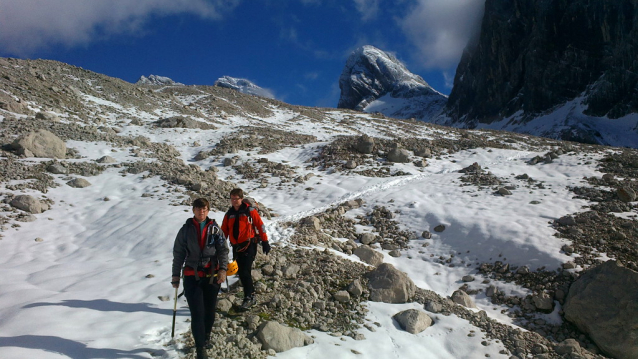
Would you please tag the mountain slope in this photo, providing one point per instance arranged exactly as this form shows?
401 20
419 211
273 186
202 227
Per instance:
510 219
375 81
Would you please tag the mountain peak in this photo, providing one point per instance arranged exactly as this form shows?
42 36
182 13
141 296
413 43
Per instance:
156 80
243 86
376 81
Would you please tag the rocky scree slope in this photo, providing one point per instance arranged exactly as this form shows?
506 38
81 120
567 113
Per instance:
58 97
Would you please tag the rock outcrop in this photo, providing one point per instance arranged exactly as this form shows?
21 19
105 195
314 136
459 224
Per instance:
602 303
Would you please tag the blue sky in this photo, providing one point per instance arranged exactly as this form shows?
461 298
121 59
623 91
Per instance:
294 48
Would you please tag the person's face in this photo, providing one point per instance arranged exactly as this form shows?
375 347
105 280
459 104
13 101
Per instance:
235 201
200 213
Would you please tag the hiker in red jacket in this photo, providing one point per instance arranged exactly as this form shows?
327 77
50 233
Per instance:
244 228
200 248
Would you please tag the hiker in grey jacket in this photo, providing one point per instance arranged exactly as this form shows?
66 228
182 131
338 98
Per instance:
200 248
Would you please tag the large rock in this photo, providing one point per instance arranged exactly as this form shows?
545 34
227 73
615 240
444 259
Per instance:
399 155
364 144
367 238
368 255
27 203
389 285
603 303
40 143
280 338
78 183
413 321
462 298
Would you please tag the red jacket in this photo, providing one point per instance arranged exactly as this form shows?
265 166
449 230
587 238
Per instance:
249 221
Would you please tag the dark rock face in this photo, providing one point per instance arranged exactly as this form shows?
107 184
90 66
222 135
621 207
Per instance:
532 55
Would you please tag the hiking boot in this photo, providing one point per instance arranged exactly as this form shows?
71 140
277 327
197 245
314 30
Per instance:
248 302
201 353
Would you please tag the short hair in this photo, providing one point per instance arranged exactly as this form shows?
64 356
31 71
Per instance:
201 203
237 192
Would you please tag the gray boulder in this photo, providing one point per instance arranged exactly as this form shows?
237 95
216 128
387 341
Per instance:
364 144
40 143
280 338
367 238
413 321
26 203
291 271
106 159
355 288
462 298
342 296
543 302
312 222
626 194
602 303
224 305
368 255
399 155
79 183
389 285
57 168
350 165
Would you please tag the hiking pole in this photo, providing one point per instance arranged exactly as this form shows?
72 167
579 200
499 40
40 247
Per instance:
174 314
175 307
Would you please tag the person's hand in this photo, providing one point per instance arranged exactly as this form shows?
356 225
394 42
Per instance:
175 282
265 246
221 276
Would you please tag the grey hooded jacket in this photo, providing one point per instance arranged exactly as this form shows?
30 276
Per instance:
186 251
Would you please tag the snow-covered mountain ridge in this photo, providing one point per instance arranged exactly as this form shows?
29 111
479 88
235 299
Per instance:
501 221
375 81
243 86
157 81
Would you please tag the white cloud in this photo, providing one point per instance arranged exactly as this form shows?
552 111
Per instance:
368 8
440 29
29 25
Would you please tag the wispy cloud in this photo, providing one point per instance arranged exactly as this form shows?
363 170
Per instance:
30 25
440 29
313 75
369 9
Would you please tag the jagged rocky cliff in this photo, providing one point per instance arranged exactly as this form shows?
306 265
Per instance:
376 81
533 57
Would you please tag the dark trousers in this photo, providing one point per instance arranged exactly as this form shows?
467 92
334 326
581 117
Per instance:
201 296
245 265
